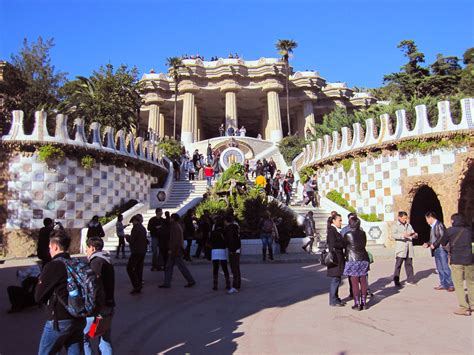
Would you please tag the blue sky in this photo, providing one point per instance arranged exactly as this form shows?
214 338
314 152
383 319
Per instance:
350 41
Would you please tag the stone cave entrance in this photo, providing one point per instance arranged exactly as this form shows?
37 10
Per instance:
425 200
466 198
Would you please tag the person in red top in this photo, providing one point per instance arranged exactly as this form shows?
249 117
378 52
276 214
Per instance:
208 172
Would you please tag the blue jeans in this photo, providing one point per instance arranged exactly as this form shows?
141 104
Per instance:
209 180
267 240
334 290
441 260
70 336
178 261
105 343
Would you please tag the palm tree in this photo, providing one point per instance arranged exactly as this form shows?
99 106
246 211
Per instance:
174 63
285 48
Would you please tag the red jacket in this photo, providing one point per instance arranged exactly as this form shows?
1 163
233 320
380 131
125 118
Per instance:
208 171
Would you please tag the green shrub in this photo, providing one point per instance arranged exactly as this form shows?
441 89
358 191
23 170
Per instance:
346 165
213 206
336 197
358 175
87 162
49 153
430 144
119 209
306 173
235 171
372 217
171 148
290 147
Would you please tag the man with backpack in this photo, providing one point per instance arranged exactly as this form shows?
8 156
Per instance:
101 264
61 329
267 234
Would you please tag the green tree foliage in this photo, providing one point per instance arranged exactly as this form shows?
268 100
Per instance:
466 85
290 147
40 79
171 148
109 97
236 172
174 63
335 120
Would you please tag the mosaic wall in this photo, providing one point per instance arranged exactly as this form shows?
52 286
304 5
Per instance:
67 192
380 178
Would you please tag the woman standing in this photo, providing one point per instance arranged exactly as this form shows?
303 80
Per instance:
357 262
336 245
218 254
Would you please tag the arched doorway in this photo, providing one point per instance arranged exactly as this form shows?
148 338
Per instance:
425 200
466 197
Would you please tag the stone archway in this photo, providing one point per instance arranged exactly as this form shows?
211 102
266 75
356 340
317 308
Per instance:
466 193
424 200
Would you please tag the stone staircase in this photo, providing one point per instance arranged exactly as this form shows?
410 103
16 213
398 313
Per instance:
182 193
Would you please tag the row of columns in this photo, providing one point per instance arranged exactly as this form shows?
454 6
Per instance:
191 126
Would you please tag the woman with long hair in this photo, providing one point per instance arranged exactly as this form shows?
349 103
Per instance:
335 246
357 262
218 253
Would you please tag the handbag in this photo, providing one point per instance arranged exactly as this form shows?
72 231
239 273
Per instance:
329 258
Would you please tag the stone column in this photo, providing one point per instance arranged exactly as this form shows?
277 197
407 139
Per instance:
153 118
195 124
274 116
187 119
161 126
308 116
230 110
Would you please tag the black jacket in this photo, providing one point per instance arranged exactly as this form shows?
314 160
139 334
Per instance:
52 282
459 238
232 238
336 242
217 239
95 231
137 240
43 244
355 242
100 263
155 227
436 235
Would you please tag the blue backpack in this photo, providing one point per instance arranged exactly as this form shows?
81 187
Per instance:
86 293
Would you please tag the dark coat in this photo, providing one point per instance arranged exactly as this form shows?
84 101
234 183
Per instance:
217 239
43 244
355 242
436 235
459 238
95 231
137 240
232 238
52 282
336 243
103 268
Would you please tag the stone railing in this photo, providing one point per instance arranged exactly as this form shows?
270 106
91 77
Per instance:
122 143
349 141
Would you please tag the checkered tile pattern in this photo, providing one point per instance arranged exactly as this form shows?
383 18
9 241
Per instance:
380 178
67 192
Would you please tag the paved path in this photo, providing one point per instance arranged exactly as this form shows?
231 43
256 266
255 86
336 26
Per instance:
282 309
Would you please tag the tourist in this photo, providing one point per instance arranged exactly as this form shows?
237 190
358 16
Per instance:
175 254
176 170
156 228
403 234
287 188
120 231
246 169
23 296
310 231
259 136
459 239
267 235
191 170
335 244
276 186
271 167
101 264
209 173
209 153
138 243
197 161
265 168
204 227
237 132
357 262
200 167
290 176
310 189
283 234
243 131
61 329
232 240
259 168
218 253
440 254
163 240
217 167
42 249
94 228
189 222
230 131
221 130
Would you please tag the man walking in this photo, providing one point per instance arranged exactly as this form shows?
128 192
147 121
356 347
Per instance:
175 256
459 237
403 234
61 328
138 246
156 228
232 240
101 264
310 188
438 231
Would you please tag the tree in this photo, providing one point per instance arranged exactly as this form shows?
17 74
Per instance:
466 84
174 63
42 81
412 75
108 97
444 78
285 48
